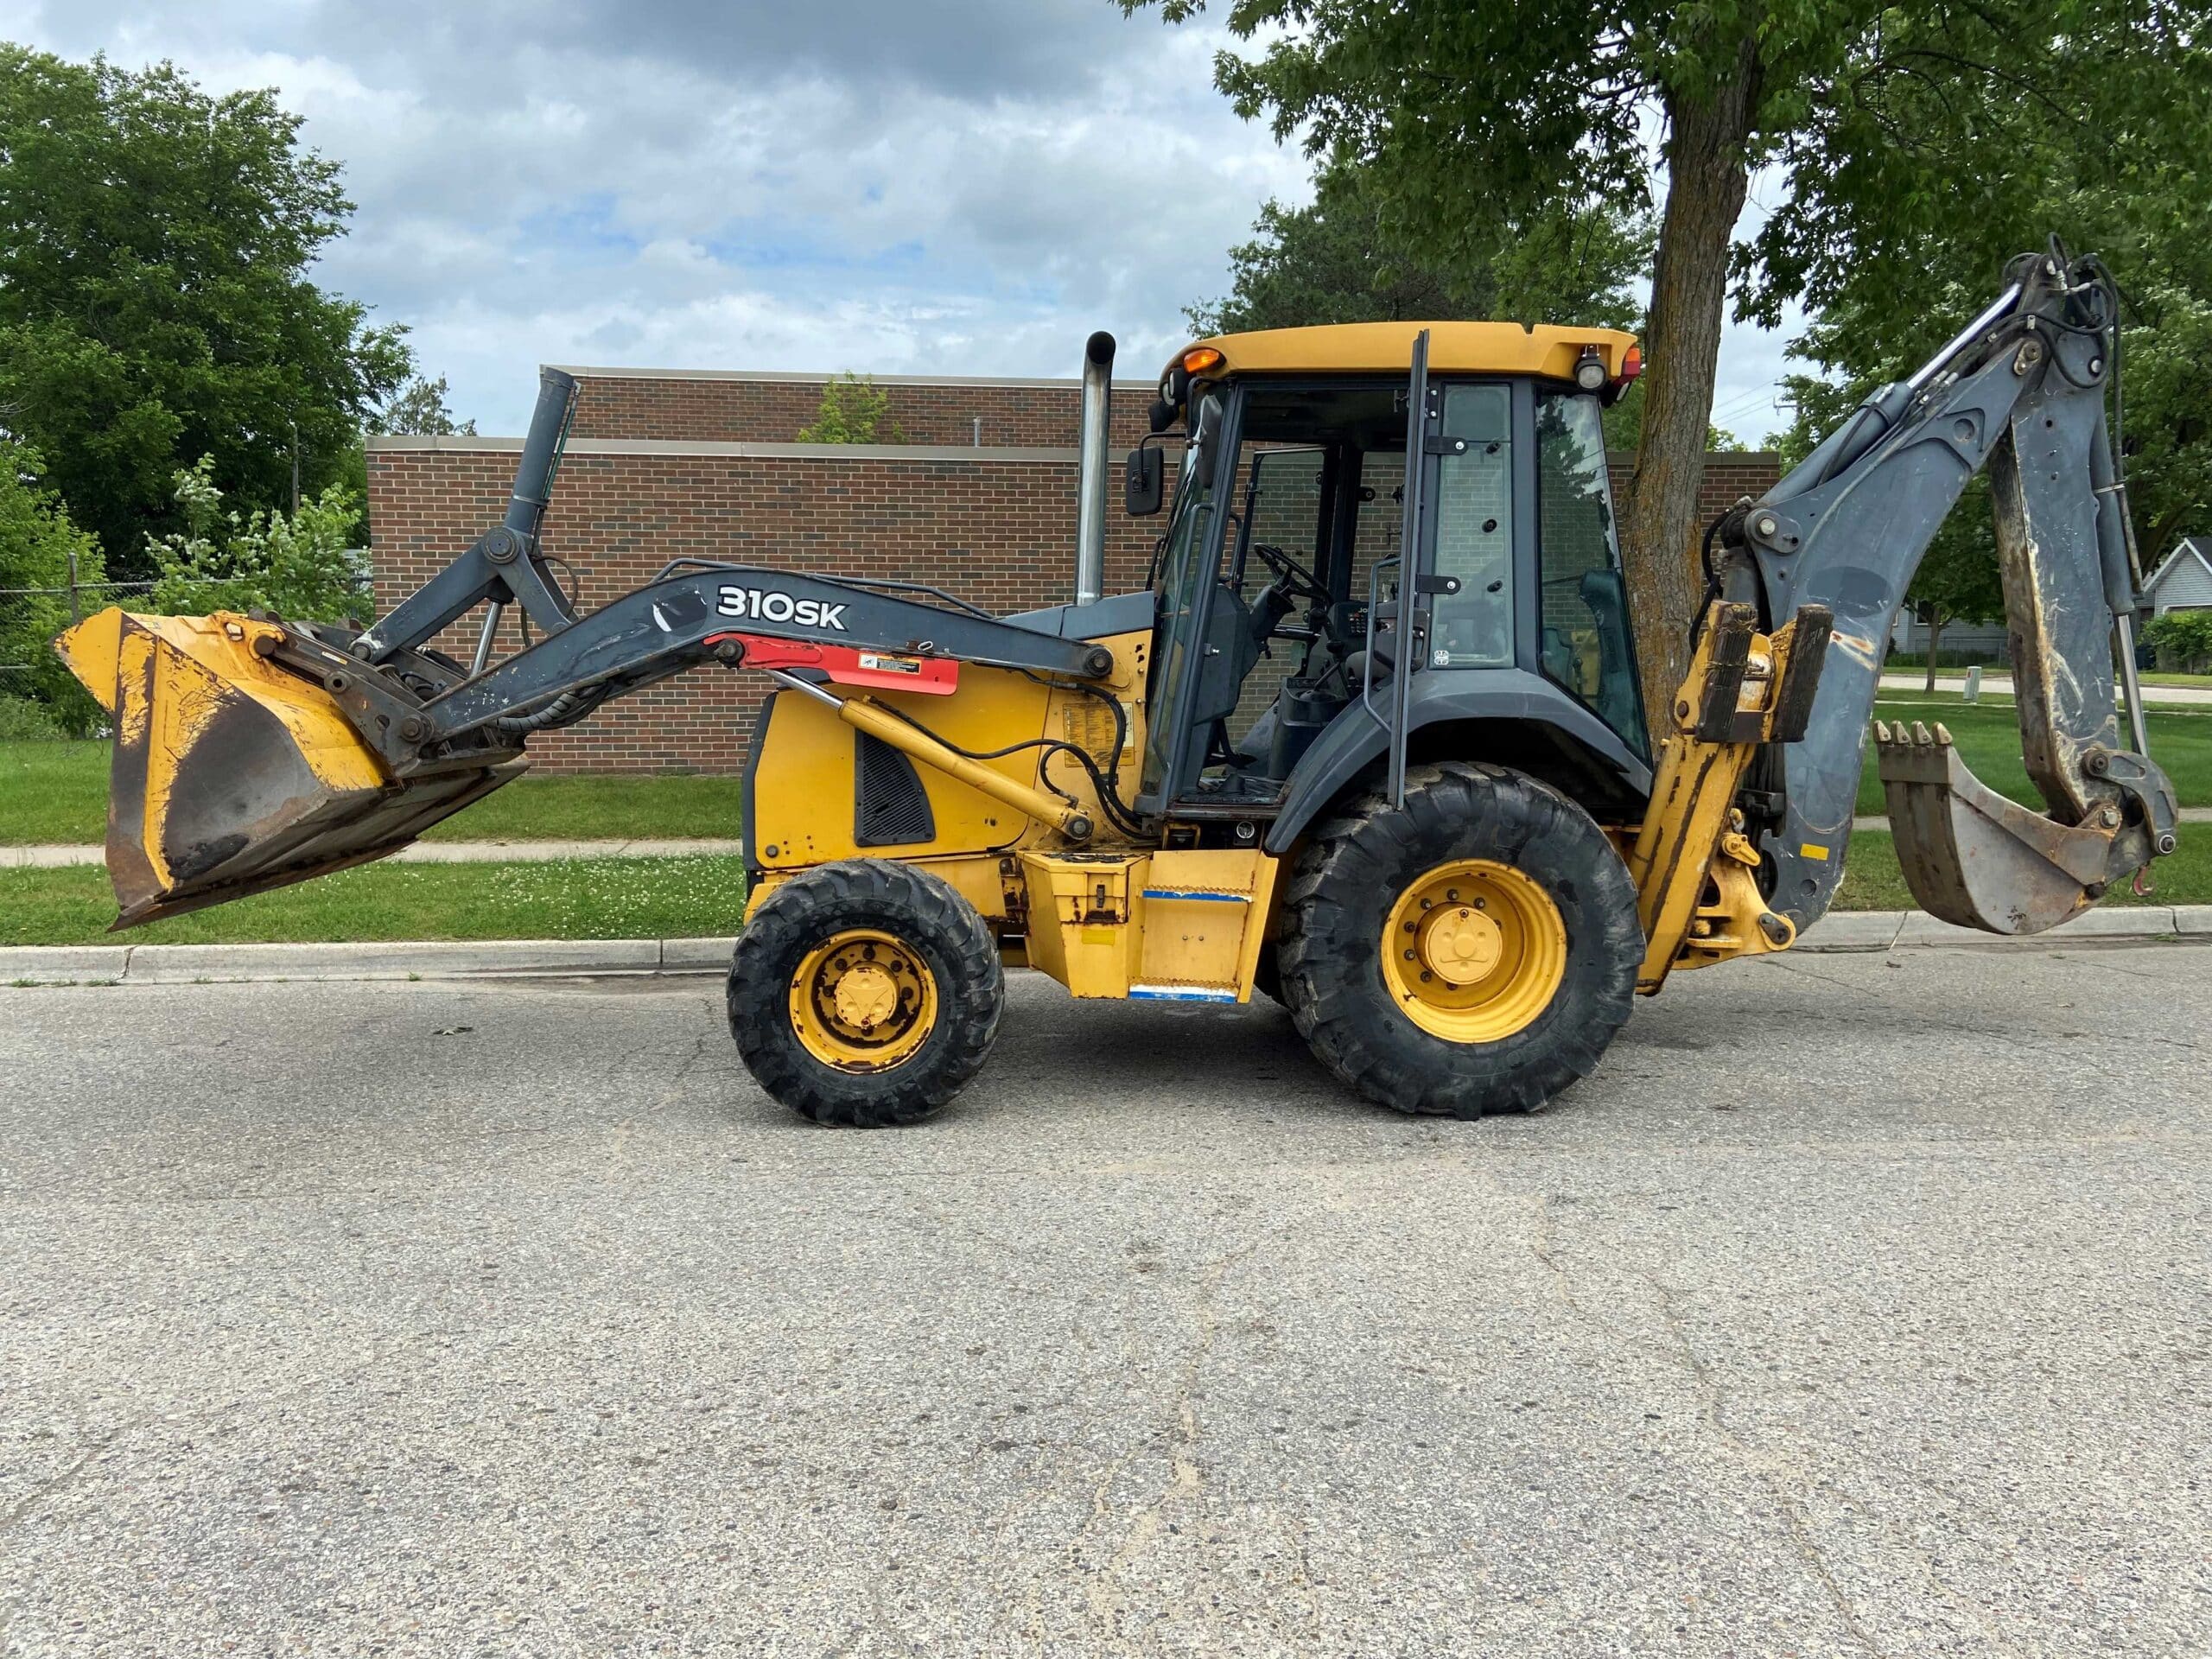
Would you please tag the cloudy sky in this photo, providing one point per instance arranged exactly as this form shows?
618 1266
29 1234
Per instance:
890 186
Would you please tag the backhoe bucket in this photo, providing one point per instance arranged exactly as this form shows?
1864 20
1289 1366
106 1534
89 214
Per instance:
232 776
1970 856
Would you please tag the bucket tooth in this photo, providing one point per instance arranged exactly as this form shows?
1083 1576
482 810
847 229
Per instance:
1974 858
230 775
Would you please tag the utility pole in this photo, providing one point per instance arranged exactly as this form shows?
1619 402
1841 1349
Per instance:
295 469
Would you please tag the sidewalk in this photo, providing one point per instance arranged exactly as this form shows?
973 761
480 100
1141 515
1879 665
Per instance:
434 852
1914 679
186 964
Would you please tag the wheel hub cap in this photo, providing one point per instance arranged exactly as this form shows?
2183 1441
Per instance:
1462 946
866 996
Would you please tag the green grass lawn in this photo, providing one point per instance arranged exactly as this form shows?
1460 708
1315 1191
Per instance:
58 791
1987 735
54 792
579 899
633 899
1872 880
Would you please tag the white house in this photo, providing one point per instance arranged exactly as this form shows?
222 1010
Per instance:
2182 580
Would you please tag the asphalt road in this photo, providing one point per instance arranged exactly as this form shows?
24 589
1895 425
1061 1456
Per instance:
1859 1307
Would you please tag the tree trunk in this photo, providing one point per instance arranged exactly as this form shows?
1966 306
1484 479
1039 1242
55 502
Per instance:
1934 620
1706 180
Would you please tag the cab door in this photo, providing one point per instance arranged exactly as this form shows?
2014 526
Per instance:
1186 585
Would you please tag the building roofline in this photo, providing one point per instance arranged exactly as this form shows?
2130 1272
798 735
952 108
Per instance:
2187 545
406 443
389 444
811 377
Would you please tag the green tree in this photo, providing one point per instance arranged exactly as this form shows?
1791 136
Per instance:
854 410
2153 224
300 565
419 410
154 299
1872 120
1339 260
39 548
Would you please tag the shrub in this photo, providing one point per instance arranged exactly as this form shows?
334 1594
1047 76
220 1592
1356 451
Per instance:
854 410
36 544
2182 640
301 567
21 718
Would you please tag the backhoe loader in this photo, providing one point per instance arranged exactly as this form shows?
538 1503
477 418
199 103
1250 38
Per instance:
1369 740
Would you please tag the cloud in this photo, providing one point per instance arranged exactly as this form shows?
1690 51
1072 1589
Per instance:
967 185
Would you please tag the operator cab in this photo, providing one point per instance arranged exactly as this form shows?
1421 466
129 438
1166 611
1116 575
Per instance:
1281 580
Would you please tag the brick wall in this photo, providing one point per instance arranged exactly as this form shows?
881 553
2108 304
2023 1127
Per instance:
994 526
771 409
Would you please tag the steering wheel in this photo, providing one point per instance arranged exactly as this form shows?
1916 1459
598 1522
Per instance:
1294 577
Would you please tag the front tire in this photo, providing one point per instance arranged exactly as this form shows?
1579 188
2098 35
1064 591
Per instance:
1470 952
865 993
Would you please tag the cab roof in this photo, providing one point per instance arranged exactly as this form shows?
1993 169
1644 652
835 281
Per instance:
1542 349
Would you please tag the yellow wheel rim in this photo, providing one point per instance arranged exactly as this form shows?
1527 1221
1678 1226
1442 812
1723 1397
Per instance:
1473 951
862 1001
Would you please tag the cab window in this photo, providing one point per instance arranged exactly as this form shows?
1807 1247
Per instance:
1472 627
1584 644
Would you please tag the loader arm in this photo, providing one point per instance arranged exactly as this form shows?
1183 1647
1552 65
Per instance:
252 751
2021 391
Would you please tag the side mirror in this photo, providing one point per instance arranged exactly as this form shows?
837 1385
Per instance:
1143 482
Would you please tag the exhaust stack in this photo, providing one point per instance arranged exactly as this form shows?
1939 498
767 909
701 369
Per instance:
1090 474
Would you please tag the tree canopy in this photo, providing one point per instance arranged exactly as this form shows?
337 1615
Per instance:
419 410
1340 260
2029 174
155 300
1871 126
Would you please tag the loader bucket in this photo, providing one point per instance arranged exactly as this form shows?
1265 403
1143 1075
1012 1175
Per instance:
232 776
1970 856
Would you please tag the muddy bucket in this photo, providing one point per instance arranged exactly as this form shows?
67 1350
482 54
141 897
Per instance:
1974 858
232 775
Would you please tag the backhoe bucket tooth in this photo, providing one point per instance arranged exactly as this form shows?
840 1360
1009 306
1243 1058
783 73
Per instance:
1970 856
230 775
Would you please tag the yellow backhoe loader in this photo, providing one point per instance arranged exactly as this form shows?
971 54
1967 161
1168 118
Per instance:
1369 741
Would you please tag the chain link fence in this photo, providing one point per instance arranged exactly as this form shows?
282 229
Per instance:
19 681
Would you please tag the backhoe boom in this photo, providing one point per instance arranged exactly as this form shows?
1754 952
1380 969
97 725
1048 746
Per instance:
2023 393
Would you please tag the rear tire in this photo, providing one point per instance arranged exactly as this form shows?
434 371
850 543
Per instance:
865 993
1490 1001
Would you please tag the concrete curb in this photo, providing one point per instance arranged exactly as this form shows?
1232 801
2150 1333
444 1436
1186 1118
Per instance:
186 964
